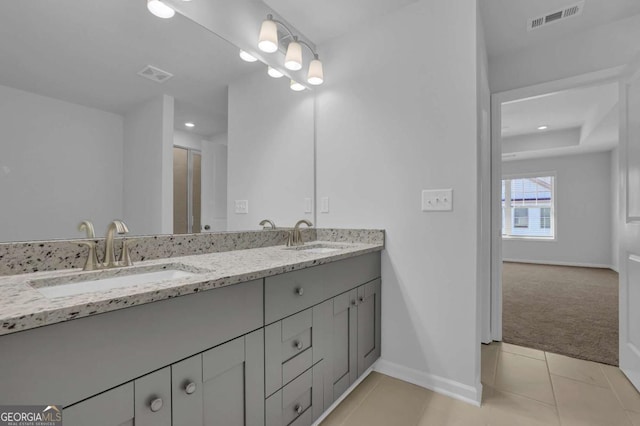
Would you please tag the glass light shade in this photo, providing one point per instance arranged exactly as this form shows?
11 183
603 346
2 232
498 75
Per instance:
293 60
316 75
268 40
274 72
160 9
296 87
247 56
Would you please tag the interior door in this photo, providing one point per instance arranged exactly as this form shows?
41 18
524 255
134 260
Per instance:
629 220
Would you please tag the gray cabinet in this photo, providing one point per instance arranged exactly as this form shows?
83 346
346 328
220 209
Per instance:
152 396
111 408
233 382
356 334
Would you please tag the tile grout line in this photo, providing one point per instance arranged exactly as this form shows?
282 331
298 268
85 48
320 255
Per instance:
613 389
553 391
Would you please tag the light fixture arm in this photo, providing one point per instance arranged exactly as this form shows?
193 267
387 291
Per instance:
291 35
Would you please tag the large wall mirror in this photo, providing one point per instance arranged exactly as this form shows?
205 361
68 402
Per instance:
107 111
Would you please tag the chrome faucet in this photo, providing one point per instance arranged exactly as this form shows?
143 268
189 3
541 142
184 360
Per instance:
295 236
266 222
92 262
117 226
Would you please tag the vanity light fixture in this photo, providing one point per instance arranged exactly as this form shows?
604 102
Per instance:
160 9
190 125
247 57
268 42
296 87
273 72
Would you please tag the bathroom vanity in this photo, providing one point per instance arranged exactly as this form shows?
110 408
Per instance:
264 336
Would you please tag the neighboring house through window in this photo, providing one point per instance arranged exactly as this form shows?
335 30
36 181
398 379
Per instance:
528 206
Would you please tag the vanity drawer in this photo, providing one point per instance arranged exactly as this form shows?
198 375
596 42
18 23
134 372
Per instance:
295 291
288 349
300 402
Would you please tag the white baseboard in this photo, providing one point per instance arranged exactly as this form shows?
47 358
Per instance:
343 396
441 385
549 262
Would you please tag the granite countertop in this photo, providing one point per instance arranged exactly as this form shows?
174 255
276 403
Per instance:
23 307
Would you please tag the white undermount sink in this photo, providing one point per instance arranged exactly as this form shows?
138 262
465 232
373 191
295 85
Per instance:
109 279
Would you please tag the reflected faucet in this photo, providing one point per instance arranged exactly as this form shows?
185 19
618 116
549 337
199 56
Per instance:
117 226
266 222
295 236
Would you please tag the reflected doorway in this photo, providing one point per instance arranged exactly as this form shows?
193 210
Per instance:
187 193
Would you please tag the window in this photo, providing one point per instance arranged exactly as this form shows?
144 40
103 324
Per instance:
528 207
520 217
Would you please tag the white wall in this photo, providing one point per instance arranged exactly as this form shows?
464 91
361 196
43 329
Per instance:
56 159
615 203
583 211
214 182
148 167
398 114
602 47
187 140
270 151
541 141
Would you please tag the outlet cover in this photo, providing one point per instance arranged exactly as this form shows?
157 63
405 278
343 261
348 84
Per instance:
308 205
242 206
324 205
439 200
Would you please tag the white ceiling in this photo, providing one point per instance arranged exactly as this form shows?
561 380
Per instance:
592 111
505 21
88 52
322 20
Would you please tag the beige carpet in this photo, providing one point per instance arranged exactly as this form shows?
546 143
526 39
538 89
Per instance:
562 309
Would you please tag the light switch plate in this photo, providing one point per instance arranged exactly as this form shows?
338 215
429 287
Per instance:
324 205
308 205
242 206
437 200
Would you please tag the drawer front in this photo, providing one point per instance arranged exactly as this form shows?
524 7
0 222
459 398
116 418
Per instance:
186 388
288 349
301 402
295 291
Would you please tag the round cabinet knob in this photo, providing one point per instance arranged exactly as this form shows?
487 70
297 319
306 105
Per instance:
353 302
299 291
298 408
190 388
298 344
156 405
207 227
361 299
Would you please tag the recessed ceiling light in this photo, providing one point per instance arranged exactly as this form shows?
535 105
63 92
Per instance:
190 124
247 56
543 127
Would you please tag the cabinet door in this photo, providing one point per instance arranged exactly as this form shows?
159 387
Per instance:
344 349
233 382
153 399
369 316
186 392
112 408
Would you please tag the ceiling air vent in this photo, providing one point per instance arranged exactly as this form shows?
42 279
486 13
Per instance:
558 15
155 74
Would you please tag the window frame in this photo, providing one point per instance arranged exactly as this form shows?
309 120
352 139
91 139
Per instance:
553 214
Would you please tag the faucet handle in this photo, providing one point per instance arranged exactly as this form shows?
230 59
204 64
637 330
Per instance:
91 264
125 254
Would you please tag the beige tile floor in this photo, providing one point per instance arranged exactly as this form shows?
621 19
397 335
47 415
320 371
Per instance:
522 387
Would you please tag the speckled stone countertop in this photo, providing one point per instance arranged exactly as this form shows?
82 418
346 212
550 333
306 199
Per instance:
23 306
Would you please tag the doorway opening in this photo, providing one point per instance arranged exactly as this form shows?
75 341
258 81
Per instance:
555 210
187 181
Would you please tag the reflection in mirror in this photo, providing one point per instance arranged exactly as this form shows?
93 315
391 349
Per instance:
97 97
